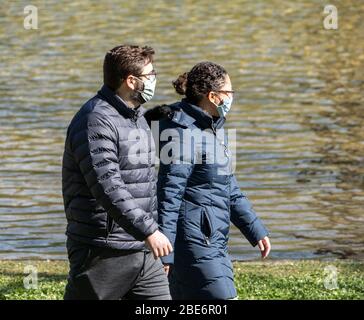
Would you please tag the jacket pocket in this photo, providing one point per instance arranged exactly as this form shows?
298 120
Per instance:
109 225
206 226
198 226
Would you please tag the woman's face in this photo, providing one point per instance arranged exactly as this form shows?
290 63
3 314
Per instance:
216 97
213 99
226 89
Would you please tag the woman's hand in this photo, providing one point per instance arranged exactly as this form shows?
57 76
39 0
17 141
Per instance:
264 246
167 268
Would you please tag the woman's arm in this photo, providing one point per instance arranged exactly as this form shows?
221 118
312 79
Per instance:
244 217
172 181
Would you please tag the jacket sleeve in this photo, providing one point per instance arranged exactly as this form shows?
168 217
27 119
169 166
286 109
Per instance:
172 181
95 150
173 176
244 217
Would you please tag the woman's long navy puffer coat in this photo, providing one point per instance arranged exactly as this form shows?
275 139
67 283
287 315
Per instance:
197 199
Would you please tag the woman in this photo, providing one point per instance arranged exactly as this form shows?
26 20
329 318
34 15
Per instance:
198 195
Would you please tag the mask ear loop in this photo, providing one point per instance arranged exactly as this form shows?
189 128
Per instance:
216 105
141 82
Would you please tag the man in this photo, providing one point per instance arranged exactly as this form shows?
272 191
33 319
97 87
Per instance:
109 187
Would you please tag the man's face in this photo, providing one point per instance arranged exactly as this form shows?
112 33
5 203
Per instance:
148 73
135 82
147 70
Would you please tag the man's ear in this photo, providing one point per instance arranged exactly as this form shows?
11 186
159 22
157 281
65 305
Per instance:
130 82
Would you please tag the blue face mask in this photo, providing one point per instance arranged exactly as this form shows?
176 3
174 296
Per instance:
225 106
148 90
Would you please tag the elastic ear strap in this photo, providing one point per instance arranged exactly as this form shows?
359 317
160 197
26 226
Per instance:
139 90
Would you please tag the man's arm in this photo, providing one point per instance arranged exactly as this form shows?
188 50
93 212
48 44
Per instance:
95 150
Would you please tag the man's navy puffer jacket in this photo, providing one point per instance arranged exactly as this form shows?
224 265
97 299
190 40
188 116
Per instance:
109 186
197 199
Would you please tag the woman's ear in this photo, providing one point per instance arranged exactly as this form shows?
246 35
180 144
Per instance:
212 98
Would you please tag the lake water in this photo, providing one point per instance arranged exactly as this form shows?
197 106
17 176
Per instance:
299 110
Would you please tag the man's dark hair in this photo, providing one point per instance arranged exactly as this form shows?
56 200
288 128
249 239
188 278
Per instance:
125 60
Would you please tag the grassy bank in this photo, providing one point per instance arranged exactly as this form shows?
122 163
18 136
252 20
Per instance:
254 280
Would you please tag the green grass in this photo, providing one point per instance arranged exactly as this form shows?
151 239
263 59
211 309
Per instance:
254 280
299 280
52 277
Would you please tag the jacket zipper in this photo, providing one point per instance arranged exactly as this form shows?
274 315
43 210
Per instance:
135 120
226 151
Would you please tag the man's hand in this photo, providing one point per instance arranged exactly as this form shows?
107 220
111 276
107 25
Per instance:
167 268
159 244
264 246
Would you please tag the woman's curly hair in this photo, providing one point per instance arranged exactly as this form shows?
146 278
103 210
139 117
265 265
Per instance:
204 77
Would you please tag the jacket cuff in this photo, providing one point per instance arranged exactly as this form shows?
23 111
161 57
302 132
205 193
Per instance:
257 231
168 259
153 228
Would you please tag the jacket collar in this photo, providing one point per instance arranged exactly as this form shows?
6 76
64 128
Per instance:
106 94
193 114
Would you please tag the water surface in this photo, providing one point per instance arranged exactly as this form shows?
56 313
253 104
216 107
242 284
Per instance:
299 110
